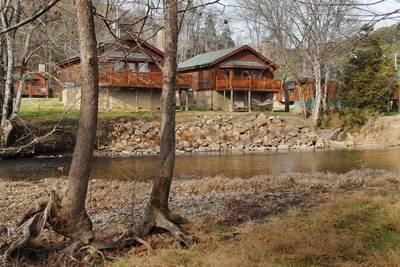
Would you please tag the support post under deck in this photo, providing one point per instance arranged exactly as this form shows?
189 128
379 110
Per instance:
187 100
231 108
136 99
249 100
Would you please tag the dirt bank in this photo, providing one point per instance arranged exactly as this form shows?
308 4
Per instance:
382 131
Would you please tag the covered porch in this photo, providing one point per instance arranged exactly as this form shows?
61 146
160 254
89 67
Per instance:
247 85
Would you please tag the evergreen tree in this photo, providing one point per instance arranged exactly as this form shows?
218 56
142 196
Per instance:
368 80
225 38
209 35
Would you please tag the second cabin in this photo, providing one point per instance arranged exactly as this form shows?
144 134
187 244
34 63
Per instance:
232 79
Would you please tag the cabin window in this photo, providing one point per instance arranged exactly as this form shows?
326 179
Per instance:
143 67
119 66
131 66
227 72
236 72
257 74
245 73
69 85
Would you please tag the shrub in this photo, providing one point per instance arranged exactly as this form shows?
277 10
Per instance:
354 118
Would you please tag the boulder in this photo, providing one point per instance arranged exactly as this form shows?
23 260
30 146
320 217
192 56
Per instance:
245 127
329 134
320 143
261 120
145 127
283 147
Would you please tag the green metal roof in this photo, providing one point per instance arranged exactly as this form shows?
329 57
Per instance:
120 54
28 77
206 59
244 64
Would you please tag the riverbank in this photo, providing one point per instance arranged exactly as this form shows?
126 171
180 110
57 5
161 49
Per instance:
225 132
225 210
122 134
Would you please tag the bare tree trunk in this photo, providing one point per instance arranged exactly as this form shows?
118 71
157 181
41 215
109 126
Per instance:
316 66
10 43
66 214
2 72
158 213
303 107
74 220
160 193
286 91
325 91
24 63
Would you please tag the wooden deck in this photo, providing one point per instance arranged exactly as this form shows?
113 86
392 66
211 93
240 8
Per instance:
223 83
111 78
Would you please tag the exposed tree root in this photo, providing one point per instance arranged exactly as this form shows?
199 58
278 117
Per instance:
30 228
42 216
155 218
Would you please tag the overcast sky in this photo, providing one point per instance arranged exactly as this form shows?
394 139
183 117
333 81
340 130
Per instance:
238 27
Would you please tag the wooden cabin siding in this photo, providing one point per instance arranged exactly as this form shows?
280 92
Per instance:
309 92
243 55
34 88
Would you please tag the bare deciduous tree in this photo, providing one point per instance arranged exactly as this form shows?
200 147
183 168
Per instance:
158 213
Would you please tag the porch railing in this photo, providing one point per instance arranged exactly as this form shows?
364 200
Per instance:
111 78
247 83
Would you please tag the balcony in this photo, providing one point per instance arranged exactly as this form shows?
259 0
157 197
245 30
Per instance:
223 83
111 78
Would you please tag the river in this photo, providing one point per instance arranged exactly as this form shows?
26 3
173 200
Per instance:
200 165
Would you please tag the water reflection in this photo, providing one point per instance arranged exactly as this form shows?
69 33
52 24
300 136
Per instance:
197 166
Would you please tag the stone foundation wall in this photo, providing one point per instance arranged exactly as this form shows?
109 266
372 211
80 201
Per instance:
114 99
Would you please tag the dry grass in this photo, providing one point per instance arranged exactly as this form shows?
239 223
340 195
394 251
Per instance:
359 231
321 219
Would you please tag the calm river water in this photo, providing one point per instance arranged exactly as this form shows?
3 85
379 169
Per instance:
197 166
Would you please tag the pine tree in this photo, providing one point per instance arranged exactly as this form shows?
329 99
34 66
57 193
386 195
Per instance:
225 38
209 35
368 80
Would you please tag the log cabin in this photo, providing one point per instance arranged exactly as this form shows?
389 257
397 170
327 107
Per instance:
130 77
305 86
36 83
233 79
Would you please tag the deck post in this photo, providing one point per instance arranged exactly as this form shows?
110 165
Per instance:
107 99
187 100
231 108
230 86
249 99
136 100
212 99
224 100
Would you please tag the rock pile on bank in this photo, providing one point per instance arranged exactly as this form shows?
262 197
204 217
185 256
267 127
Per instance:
215 133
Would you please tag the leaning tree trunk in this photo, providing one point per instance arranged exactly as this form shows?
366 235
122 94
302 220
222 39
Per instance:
24 64
66 213
72 219
325 92
158 213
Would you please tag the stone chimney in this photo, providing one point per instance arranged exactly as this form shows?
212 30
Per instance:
42 67
266 49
